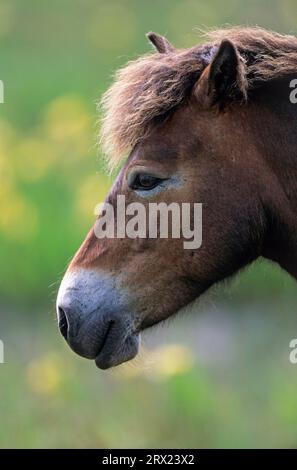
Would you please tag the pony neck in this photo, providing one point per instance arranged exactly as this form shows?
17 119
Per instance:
277 124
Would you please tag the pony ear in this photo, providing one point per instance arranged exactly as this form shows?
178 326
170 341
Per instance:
160 43
224 79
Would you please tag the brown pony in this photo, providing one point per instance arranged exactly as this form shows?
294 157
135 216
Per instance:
218 119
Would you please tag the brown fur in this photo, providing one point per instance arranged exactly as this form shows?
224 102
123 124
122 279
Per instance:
230 141
149 88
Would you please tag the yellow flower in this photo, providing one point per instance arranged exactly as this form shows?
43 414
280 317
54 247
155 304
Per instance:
92 191
159 363
44 375
18 216
171 360
67 118
34 158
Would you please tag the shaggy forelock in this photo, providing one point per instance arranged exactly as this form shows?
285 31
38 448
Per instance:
147 89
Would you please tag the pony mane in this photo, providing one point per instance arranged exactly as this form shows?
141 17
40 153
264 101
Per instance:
150 88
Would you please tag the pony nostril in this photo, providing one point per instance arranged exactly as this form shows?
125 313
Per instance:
63 322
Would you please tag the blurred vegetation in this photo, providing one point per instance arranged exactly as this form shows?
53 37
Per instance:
56 58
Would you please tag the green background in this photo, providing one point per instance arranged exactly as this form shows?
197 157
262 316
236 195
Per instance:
218 376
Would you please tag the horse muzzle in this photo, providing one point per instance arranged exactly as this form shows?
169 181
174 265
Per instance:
93 318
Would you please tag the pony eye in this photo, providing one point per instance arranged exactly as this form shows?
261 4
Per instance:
145 182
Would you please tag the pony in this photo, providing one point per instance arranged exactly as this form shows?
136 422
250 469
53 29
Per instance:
212 124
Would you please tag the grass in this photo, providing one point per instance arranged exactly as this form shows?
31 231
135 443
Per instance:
210 379
233 384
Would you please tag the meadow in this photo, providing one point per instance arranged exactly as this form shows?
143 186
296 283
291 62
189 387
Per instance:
217 376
